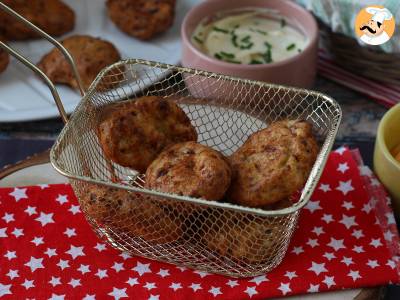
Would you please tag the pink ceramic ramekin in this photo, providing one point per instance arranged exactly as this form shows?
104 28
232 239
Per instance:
297 71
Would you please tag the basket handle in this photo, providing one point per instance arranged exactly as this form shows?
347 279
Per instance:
35 69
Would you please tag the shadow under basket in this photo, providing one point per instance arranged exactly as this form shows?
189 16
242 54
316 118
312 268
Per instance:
210 236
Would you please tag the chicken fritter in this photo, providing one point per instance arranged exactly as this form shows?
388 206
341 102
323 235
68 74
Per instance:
142 19
52 16
190 169
91 55
134 132
273 163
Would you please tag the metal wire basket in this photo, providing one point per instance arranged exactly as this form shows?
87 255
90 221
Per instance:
215 237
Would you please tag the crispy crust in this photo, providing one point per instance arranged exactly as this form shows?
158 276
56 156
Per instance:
273 163
142 19
190 169
91 55
52 16
134 132
130 213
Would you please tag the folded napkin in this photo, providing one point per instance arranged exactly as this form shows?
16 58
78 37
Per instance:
48 251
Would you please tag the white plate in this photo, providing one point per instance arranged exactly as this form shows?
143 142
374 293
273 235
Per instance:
24 97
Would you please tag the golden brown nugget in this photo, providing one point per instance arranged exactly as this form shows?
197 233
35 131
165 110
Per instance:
91 55
273 163
190 169
52 16
142 19
130 213
134 132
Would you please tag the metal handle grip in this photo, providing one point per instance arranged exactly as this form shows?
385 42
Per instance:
35 69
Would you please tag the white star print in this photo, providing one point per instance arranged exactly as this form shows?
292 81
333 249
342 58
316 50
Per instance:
325 187
154 297
285 288
118 267
388 235
318 231
365 171
43 186
74 282
297 250
84 269
372 263
215 291
3 233
181 268
201 274
195 287
55 281
317 268
232 283
5 289
367 208
75 251
347 205
142 268
251 291
100 247
312 206
10 255
50 252
27 284
19 194
89 297
327 218
290 275
74 209
358 249
62 199
18 232
354 275
163 273
348 221
57 297
357 234
391 264
375 243
132 281
150 285
390 218
336 244
340 150
312 243
45 219
259 279
343 168
70 232
175 286
35 263
37 241
375 182
345 187
347 260
329 281
313 288
101 273
125 255
329 256
30 210
118 293
12 274
8 218
63 264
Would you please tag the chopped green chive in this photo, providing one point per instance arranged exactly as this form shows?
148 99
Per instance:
234 40
220 30
227 55
267 55
291 47
259 31
268 45
283 23
198 40
247 46
246 39
218 56
255 62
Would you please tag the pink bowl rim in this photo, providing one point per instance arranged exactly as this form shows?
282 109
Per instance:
312 35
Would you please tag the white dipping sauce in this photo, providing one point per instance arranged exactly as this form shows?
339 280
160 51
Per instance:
248 36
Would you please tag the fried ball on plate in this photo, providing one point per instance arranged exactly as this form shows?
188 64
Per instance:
273 163
4 60
91 55
130 213
134 132
142 19
52 16
190 169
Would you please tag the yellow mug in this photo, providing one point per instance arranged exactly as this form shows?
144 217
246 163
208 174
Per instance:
386 167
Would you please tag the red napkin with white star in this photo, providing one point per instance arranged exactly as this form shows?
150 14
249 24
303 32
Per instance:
346 238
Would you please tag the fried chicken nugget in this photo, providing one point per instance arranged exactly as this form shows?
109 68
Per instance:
130 213
273 163
134 132
52 16
91 55
142 19
190 169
